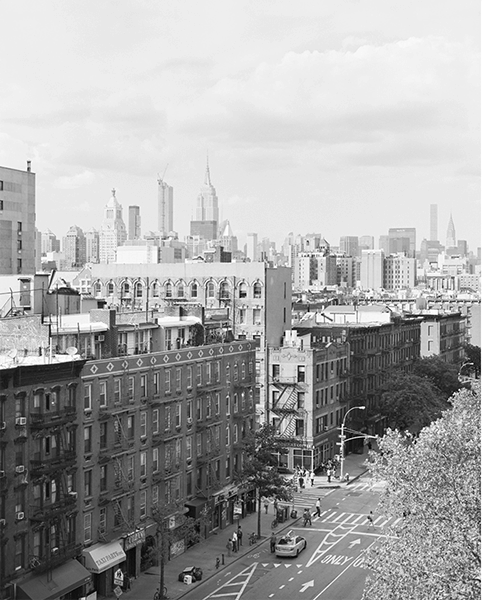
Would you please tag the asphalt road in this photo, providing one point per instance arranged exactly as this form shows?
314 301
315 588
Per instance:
330 568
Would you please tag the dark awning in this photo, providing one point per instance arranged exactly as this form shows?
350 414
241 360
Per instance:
195 507
60 581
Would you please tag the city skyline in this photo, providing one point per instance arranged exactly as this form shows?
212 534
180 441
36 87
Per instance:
342 118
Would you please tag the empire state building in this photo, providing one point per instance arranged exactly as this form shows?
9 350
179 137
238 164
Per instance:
207 211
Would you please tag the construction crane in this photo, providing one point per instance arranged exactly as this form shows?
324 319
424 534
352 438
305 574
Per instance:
161 179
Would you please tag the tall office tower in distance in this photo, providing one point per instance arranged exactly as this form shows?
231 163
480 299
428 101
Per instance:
74 247
451 241
92 246
252 252
17 221
384 243
371 269
349 245
165 207
366 242
112 231
433 222
207 211
402 239
134 223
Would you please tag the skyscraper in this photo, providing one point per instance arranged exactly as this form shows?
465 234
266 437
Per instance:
17 221
207 211
433 222
349 245
74 247
402 239
451 241
165 207
112 232
134 223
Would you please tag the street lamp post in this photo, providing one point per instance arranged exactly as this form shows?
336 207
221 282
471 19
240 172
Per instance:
342 438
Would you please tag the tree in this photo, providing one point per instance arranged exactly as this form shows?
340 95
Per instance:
473 355
260 469
410 402
433 486
443 375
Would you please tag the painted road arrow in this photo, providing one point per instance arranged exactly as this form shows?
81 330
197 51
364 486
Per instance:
305 586
358 541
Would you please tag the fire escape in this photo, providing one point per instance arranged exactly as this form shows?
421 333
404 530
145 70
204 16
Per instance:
52 471
290 418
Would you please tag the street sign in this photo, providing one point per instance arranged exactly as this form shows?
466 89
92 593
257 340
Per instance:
117 591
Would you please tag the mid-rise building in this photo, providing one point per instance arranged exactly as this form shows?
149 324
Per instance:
399 272
402 239
17 221
443 334
371 269
112 232
49 242
349 245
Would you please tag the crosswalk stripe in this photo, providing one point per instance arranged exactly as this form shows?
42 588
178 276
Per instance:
330 515
338 517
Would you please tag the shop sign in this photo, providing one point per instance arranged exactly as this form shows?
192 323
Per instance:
135 538
238 510
118 577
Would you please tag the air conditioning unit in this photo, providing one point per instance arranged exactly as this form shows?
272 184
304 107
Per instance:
21 421
3 425
20 516
54 551
100 338
189 420
3 522
2 474
73 494
20 469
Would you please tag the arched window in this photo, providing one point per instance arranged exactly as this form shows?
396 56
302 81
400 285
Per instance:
242 290
168 289
194 289
97 288
110 288
210 290
180 289
138 290
155 289
126 288
257 290
224 290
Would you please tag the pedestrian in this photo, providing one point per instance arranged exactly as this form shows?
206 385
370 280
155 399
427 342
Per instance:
272 542
266 505
318 508
328 474
312 478
275 506
234 539
370 520
369 445
229 546
301 482
240 536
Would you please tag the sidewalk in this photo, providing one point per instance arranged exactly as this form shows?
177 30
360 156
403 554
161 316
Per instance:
204 554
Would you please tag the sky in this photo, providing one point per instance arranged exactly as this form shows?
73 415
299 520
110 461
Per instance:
340 117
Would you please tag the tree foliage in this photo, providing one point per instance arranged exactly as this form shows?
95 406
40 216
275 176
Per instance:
442 375
473 355
433 486
260 464
410 402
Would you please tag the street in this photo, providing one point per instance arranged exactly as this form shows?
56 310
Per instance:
331 567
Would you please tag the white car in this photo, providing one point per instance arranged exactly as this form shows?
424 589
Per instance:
290 545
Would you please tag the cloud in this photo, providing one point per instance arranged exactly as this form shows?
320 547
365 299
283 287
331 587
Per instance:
71 182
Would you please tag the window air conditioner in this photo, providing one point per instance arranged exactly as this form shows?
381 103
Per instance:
21 421
20 516
54 550
73 494
3 522
20 469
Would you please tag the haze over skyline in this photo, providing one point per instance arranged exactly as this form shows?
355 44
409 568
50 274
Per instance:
341 117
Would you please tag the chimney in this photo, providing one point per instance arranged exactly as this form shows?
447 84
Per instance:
29 166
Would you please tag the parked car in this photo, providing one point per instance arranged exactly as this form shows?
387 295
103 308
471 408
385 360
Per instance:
195 572
290 545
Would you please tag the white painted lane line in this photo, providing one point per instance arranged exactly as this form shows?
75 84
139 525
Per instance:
340 516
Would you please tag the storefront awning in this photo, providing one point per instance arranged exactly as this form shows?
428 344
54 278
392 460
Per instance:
101 557
59 582
195 506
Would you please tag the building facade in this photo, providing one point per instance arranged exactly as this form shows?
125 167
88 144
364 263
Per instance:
112 232
134 232
74 248
17 221
165 207
371 269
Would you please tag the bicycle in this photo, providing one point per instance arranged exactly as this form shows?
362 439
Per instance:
274 523
157 595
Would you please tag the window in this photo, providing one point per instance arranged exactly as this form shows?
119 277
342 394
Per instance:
155 420
242 290
228 374
156 382
143 423
155 289
103 520
235 433
217 402
178 380
103 478
130 427
228 406
180 290
194 290
208 372
300 427
167 381
88 527
178 414
155 460
130 389
143 504
210 291
301 400
199 446
189 410
168 289
103 435
301 373
189 447
143 457
88 396
257 290
110 288
87 440
199 375
130 468
236 407
198 409
242 316
167 418
88 483
224 290
143 386
102 393
189 377
228 436
208 407
155 494
117 391
256 316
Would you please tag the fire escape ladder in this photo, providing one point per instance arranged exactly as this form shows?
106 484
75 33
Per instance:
120 433
120 513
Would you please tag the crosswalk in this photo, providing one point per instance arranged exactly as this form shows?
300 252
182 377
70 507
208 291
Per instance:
337 517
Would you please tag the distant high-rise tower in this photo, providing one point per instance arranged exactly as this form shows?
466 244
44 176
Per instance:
112 232
349 245
433 222
402 239
74 247
134 223
207 211
252 247
165 207
451 241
